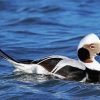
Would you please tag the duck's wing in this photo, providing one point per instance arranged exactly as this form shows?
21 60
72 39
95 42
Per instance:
56 62
69 62
48 63
70 69
41 60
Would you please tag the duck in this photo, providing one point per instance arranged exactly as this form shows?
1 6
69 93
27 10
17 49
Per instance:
64 67
88 49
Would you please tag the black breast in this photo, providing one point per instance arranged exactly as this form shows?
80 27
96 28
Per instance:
72 73
93 75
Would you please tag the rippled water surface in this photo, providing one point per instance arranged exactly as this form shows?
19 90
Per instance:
32 29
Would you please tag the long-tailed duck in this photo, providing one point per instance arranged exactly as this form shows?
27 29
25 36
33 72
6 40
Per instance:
64 67
88 49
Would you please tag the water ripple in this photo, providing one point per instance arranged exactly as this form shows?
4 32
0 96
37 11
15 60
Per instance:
49 9
33 29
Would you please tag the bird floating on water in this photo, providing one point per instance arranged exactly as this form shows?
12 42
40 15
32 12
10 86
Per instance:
83 69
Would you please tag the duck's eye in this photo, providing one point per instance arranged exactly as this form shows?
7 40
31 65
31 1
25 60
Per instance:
92 46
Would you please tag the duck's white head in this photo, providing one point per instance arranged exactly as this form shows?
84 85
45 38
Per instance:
89 48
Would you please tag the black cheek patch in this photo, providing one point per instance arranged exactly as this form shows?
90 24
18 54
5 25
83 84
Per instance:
83 54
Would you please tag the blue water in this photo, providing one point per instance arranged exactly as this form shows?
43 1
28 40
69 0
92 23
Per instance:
33 29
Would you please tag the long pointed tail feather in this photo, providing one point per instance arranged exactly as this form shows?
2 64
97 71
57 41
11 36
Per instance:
7 57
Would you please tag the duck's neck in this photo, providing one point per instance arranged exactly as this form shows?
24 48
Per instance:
92 64
88 61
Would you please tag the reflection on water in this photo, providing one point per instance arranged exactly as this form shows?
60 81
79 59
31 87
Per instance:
32 29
